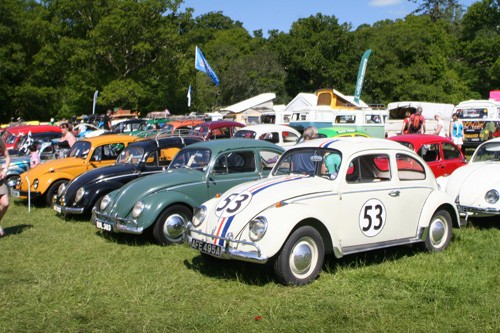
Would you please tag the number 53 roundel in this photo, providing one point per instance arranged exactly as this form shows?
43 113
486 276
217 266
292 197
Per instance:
372 217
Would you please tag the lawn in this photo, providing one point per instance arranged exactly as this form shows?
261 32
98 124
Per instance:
66 276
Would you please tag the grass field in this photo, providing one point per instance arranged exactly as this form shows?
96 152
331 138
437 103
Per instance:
65 276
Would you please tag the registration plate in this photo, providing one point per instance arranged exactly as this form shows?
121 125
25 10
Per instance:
15 193
103 226
204 247
57 209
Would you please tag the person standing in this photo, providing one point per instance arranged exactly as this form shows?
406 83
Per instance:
66 141
4 190
106 121
34 156
406 123
457 131
417 122
440 130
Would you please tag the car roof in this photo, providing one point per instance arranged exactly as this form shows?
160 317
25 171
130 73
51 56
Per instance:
269 127
352 144
234 143
166 142
220 123
34 128
419 138
110 138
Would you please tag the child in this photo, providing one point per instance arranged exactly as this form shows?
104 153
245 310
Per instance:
34 156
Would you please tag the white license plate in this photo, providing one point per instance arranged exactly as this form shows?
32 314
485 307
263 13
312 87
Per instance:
15 193
58 209
103 226
212 249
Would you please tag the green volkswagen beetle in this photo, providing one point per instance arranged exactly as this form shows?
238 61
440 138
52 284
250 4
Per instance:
164 202
335 132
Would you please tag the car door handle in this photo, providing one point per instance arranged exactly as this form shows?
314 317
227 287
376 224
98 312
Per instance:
394 193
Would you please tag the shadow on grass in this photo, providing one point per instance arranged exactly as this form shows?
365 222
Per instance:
484 223
248 273
126 239
369 258
256 274
16 229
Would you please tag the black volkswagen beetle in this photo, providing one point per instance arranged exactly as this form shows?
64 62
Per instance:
138 159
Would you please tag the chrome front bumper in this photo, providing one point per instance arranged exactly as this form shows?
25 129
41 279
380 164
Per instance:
228 251
118 224
466 210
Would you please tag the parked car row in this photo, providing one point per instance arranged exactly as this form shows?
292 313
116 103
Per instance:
251 200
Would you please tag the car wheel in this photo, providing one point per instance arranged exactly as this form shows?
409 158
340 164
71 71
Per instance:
439 232
53 190
301 258
169 227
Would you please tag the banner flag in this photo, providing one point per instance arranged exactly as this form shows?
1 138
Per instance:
189 96
361 75
201 64
94 101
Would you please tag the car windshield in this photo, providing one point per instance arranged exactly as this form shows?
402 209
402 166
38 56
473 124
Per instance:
487 152
192 159
245 134
130 155
310 161
80 149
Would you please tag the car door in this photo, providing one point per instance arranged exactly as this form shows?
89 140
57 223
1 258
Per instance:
230 169
452 158
370 203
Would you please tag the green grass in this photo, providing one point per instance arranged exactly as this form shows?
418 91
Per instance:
65 276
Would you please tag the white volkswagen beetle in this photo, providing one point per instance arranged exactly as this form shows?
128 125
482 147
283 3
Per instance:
475 187
338 196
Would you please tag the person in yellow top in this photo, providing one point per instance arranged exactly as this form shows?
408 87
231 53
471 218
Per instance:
4 190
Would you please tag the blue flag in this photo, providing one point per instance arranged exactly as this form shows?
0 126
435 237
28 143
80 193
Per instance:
201 64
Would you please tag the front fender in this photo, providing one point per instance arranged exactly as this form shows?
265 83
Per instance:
157 202
283 220
46 180
438 200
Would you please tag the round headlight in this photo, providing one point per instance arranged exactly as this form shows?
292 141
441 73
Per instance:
61 189
491 196
106 200
200 214
137 210
79 194
257 228
35 184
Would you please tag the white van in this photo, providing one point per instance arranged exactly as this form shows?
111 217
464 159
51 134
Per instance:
481 120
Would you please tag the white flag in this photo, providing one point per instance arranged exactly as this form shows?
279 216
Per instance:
189 96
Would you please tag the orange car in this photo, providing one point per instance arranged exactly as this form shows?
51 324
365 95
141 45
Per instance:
44 180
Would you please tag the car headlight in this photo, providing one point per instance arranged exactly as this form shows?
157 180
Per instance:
200 214
106 200
79 194
257 228
35 184
61 189
491 196
138 208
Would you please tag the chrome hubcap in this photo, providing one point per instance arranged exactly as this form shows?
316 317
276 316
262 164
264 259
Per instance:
437 231
303 256
173 226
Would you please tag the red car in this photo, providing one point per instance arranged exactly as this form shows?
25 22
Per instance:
441 154
221 129
15 136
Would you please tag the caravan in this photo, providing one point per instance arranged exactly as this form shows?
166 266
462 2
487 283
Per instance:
397 112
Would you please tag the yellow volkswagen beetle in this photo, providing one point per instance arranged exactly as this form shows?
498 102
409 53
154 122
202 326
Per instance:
43 181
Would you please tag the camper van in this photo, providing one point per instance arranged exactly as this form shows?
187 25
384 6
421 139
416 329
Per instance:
481 120
397 112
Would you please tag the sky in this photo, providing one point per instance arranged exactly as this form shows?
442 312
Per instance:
278 14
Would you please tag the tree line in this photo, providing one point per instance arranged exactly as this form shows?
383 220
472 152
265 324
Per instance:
139 55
